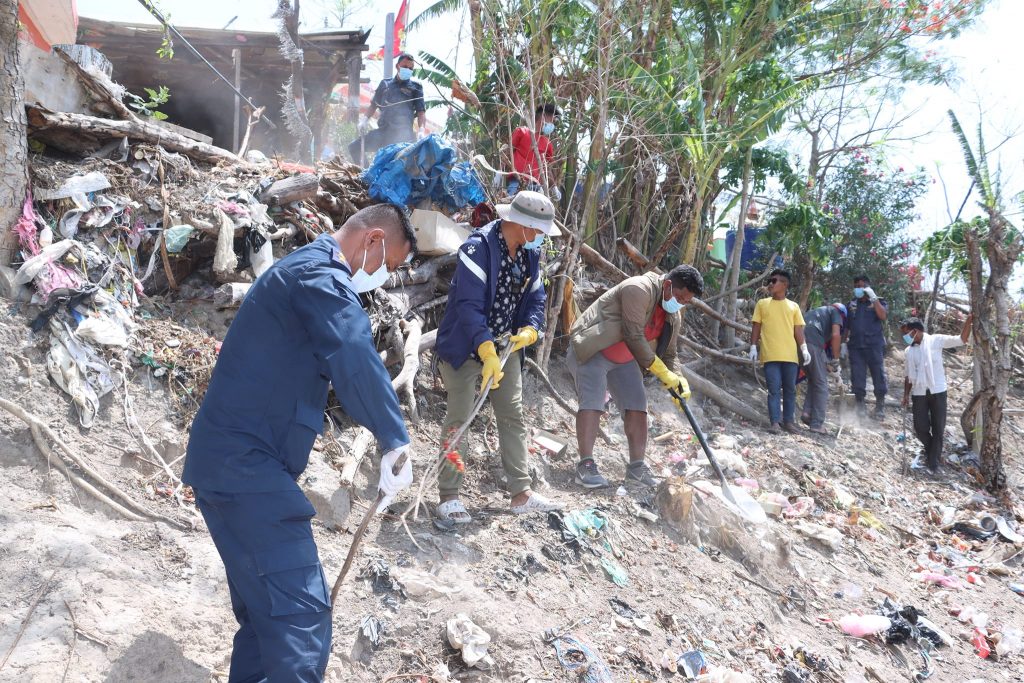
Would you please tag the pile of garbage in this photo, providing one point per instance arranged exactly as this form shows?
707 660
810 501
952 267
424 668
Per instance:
99 237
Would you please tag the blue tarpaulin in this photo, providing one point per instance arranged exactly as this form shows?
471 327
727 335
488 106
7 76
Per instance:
407 173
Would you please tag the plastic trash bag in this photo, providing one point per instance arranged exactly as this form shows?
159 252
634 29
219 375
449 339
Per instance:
407 173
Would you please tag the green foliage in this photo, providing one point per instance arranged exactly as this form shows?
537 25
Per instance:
947 249
765 162
145 107
858 228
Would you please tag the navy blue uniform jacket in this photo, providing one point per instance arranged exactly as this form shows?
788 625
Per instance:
299 328
464 326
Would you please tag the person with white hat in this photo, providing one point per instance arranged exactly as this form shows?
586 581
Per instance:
497 291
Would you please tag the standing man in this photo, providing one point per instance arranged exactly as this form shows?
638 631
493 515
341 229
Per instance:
925 383
400 100
866 345
526 145
251 439
779 327
497 290
823 333
631 328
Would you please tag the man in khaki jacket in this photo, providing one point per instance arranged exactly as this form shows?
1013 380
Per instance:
631 328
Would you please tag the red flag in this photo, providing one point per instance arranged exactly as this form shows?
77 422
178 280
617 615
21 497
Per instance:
400 21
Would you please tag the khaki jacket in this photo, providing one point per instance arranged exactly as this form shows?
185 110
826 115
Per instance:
621 314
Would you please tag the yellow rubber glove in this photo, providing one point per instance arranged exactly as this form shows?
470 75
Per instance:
670 379
527 337
492 366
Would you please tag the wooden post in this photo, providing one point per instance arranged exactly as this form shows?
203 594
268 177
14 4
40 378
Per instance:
355 64
389 45
236 57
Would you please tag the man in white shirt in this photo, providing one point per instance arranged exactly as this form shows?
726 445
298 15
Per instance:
925 382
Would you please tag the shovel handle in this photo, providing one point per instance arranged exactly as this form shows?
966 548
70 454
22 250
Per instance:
704 444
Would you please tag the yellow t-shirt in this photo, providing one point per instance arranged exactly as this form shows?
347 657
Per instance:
778 318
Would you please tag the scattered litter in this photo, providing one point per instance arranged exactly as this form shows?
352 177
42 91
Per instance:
724 675
424 586
616 572
1017 588
469 639
861 625
692 664
938 579
830 536
576 657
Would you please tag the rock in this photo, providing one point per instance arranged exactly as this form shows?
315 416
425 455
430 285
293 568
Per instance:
322 485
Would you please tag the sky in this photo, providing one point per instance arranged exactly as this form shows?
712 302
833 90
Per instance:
987 61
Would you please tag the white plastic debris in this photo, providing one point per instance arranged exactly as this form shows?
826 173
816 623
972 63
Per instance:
469 639
831 537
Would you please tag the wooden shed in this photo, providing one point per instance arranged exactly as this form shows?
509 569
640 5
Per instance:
250 59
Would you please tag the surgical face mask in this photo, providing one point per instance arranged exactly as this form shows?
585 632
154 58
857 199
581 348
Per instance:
536 243
671 305
404 73
364 282
858 292
548 128
909 339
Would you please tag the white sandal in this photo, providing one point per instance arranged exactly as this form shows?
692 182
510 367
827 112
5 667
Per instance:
536 503
453 511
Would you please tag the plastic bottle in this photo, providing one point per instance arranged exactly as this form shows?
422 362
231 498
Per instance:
860 625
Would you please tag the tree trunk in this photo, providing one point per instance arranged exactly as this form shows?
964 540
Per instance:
79 133
737 250
13 141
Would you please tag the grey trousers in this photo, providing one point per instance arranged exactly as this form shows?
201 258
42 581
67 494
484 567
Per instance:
816 400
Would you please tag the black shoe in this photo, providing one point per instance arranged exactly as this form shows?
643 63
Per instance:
862 408
640 473
587 475
879 413
775 428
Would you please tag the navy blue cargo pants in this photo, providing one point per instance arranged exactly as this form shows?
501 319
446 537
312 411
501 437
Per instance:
863 360
278 590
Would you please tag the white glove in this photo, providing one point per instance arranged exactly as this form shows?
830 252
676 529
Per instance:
805 354
753 352
843 351
364 124
556 193
871 294
390 483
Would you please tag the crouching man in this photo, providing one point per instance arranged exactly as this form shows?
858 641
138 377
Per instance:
631 328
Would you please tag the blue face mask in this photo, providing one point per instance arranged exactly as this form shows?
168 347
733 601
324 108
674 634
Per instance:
909 339
858 292
671 305
405 73
548 128
536 243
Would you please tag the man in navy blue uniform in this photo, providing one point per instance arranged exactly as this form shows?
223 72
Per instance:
400 101
865 345
498 290
300 328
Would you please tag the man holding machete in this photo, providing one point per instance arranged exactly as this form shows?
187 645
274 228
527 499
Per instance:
631 328
300 328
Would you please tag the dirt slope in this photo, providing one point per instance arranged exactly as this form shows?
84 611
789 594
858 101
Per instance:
150 601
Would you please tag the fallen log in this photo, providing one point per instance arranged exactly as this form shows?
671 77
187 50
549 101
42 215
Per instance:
78 133
633 254
428 340
700 384
295 188
707 351
601 264
707 310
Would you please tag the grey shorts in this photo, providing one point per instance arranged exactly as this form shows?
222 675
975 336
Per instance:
599 376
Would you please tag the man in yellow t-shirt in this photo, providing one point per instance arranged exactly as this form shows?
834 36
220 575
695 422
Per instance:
779 325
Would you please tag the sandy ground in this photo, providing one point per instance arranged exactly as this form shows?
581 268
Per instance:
150 601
